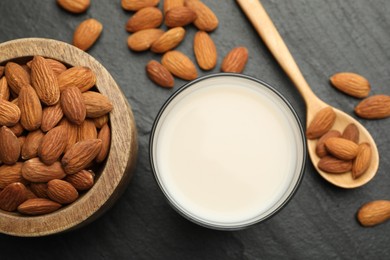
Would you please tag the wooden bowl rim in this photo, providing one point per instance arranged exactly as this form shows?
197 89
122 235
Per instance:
120 162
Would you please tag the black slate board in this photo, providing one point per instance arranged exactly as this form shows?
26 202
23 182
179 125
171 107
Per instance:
319 223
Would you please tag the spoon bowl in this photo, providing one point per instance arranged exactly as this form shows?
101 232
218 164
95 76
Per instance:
266 29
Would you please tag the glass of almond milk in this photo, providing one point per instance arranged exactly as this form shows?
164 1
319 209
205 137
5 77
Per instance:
227 151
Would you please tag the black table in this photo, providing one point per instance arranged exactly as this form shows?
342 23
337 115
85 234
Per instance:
325 37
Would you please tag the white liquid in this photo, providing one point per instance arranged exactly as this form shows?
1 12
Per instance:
226 151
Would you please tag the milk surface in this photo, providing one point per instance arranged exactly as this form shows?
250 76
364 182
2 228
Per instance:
226 151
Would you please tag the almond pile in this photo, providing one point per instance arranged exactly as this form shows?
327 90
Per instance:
53 130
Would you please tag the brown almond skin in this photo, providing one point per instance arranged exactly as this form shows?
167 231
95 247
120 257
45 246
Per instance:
36 171
72 131
39 189
206 19
51 116
74 6
21 140
1 71
53 144
72 105
9 113
38 206
143 40
170 4
30 108
17 129
80 155
96 104
351 84
374 213
81 77
9 146
320 147
87 33
4 89
87 130
16 76
180 16
374 107
101 121
341 148
56 66
31 145
331 164
12 196
145 18
205 51
83 180
362 160
321 123
10 174
61 191
235 60
105 136
159 74
351 132
169 40
135 5
44 81
179 65
30 194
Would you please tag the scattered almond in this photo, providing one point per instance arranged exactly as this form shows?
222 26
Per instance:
351 83
321 123
333 165
206 19
159 74
374 213
320 147
87 33
170 4
235 60
143 40
74 6
362 160
179 16
38 206
205 51
145 18
374 107
169 40
135 5
179 65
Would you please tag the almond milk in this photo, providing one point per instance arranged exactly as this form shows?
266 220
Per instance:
227 152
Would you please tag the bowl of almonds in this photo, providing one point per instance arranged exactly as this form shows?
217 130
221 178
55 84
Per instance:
68 141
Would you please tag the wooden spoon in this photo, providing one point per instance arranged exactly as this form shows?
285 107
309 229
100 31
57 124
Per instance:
268 32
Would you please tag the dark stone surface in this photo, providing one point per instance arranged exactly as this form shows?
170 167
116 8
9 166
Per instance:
319 223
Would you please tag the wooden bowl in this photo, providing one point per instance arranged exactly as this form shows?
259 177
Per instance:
112 176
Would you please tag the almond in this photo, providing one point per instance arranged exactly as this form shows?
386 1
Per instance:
374 107
96 104
362 160
72 105
145 18
179 65
374 213
83 180
170 4
341 148
21 140
53 144
81 77
15 101
105 136
56 66
30 108
206 19
16 76
74 6
321 123
87 130
72 131
320 147
27 69
87 33
143 40
179 16
61 191
12 196
4 90
235 60
38 206
9 146
135 5
30 194
51 116
351 132
17 129
330 164
351 83
44 81
9 113
1 71
10 174
159 74
205 51
169 40
31 145
101 121
36 171
80 155
39 189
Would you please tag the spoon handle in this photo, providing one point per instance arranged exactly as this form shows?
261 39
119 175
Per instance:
268 32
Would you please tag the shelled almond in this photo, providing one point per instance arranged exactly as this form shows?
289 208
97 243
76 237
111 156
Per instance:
53 125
